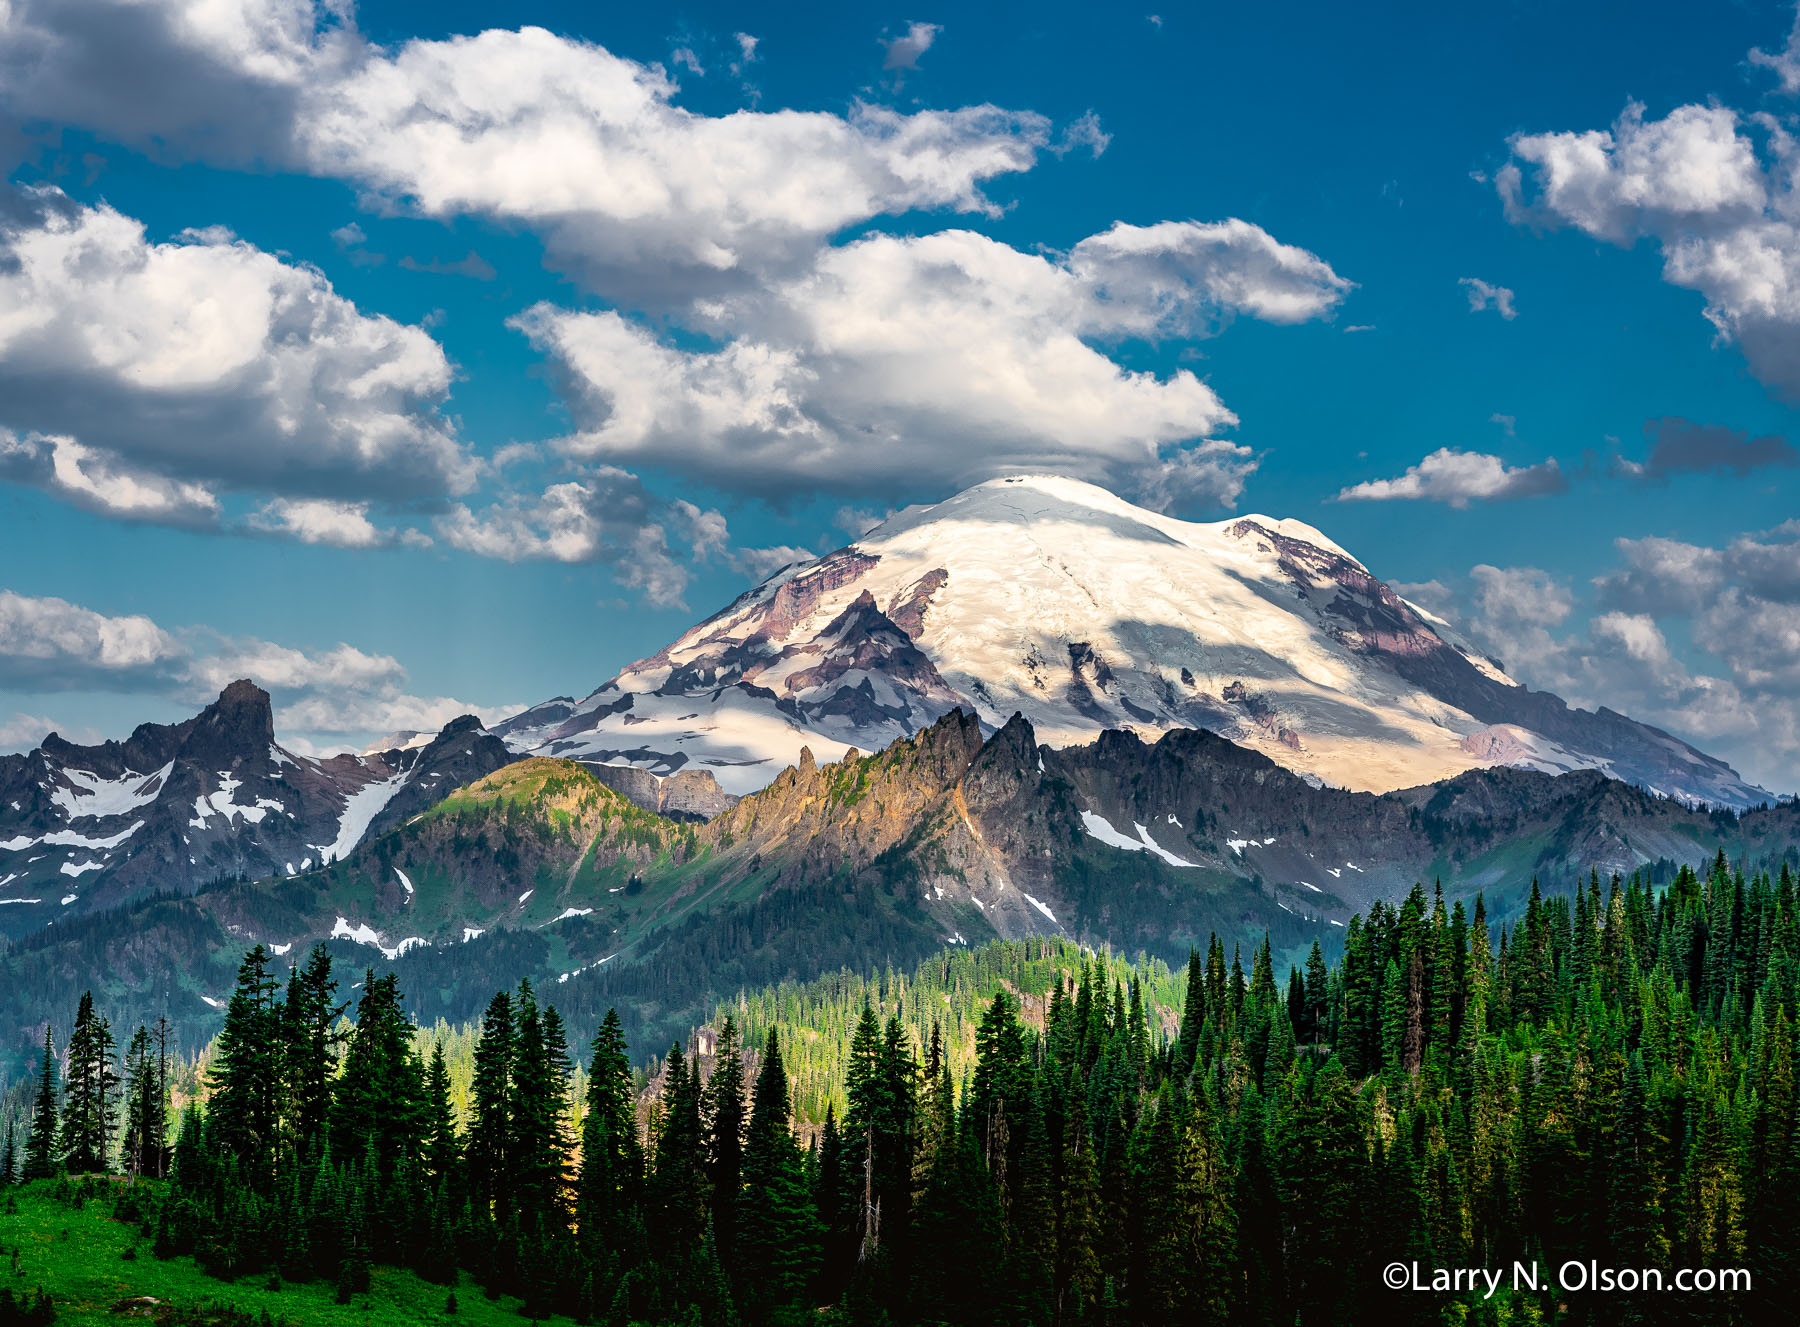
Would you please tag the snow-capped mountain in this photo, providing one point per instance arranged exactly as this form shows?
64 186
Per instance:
175 806
1055 599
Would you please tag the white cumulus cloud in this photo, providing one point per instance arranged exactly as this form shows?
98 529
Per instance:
1459 478
160 371
1484 295
322 521
330 699
1714 190
52 644
942 358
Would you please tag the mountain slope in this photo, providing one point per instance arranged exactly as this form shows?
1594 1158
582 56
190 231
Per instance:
541 869
174 806
1053 598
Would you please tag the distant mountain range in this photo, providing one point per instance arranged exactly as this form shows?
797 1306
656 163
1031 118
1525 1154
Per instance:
1054 599
1031 709
175 806
952 836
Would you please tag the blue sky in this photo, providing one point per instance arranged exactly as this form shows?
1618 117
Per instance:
412 363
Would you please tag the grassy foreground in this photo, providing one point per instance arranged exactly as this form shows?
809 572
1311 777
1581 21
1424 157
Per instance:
76 1251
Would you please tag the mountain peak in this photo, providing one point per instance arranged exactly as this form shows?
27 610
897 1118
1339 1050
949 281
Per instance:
240 722
1055 599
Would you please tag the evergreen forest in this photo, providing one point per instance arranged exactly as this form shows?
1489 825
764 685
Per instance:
1028 1133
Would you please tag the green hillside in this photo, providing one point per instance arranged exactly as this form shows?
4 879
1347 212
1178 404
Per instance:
81 1243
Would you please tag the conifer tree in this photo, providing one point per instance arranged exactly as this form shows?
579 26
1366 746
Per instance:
490 1128
146 1110
612 1161
90 1093
1318 996
1182 1208
309 1025
1193 1015
724 1110
246 1073
41 1158
539 1114
378 1104
680 1173
778 1227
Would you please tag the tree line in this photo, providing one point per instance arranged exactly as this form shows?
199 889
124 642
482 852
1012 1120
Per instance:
1612 1079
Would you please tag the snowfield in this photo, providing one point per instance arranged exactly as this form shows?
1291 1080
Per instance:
1053 598
360 809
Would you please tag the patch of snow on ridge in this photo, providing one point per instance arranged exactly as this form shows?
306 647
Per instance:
1041 908
1238 845
68 838
364 934
470 932
360 810
21 900
223 802
69 898
1151 845
95 798
406 883
567 913
80 868
280 950
216 1004
1101 828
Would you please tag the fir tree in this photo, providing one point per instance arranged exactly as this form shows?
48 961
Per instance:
490 1128
246 1073
724 1109
41 1157
442 1151
778 1227
612 1161
90 1093
309 1025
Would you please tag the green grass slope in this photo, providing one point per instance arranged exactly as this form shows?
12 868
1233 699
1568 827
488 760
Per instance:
72 1245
